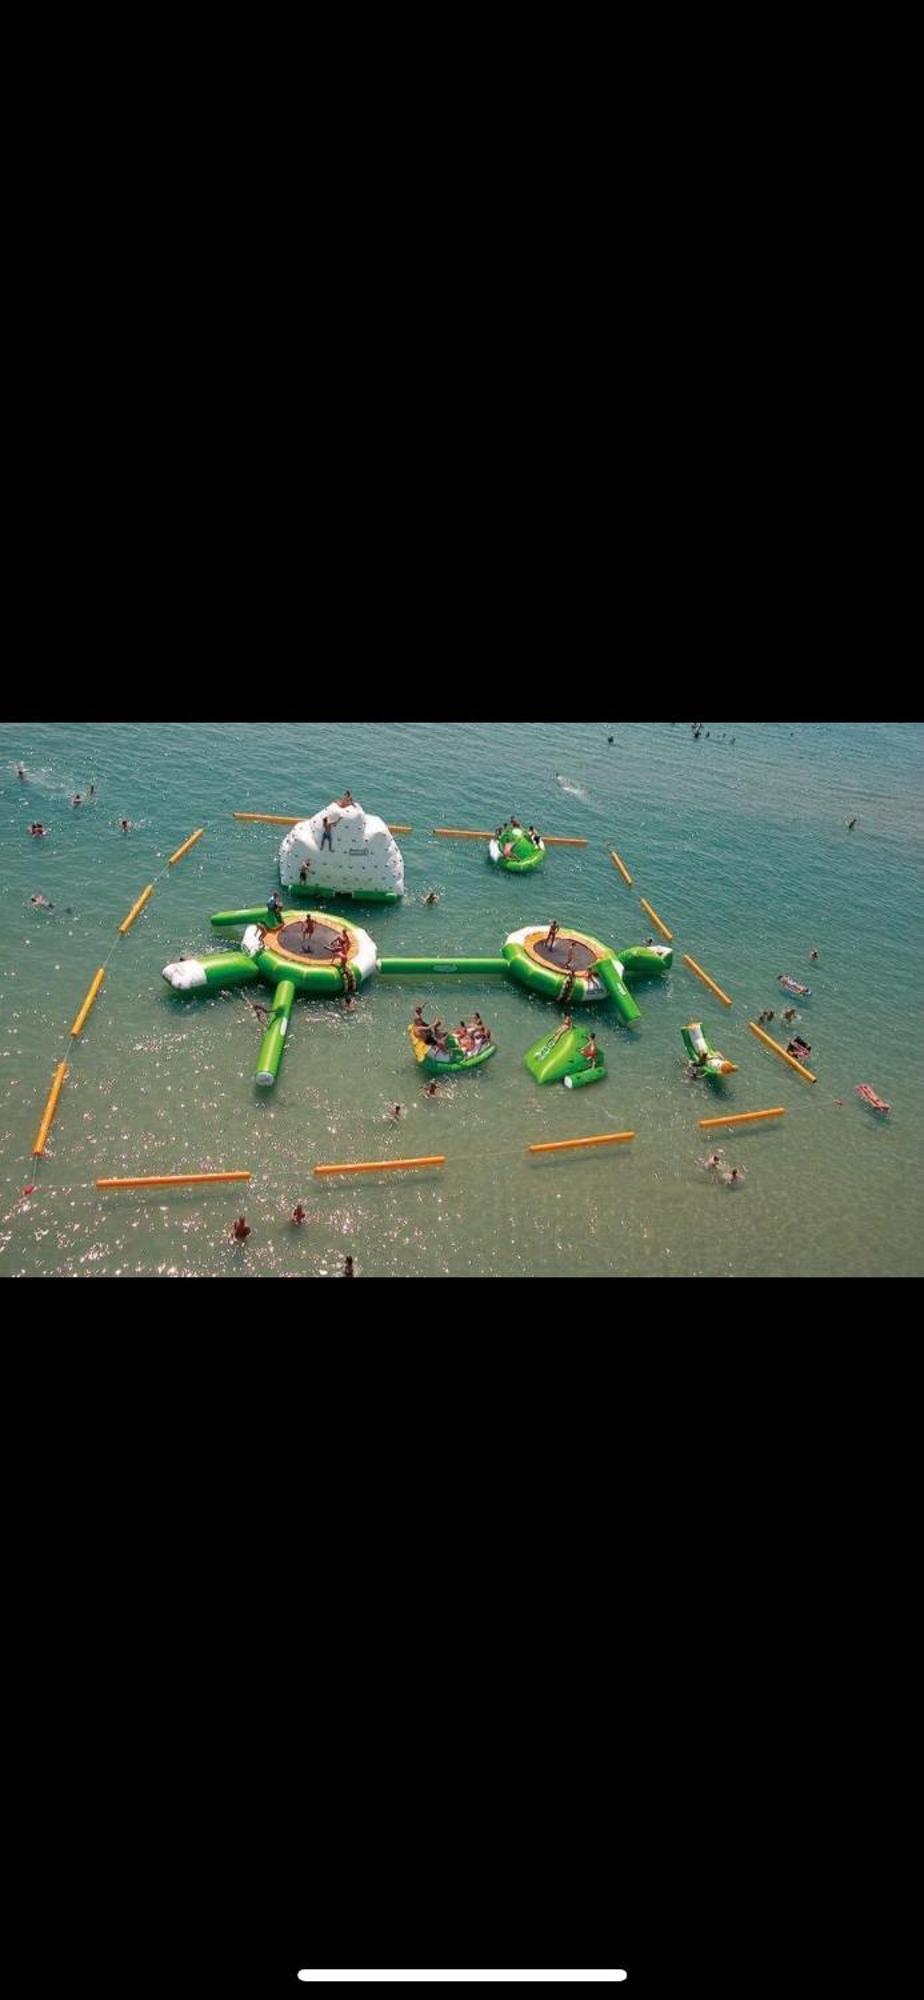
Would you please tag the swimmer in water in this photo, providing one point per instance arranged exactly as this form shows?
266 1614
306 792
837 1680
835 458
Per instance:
430 897
41 903
714 1160
299 1213
20 770
734 1177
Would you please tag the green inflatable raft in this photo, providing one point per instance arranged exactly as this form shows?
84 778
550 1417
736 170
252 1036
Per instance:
513 850
438 1062
559 1058
707 1059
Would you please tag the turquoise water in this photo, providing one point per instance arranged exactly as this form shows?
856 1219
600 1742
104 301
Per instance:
743 850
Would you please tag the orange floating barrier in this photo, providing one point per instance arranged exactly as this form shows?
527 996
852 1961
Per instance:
187 844
653 914
623 870
566 1145
480 833
91 996
136 909
787 1058
704 976
383 1166
743 1118
294 819
51 1106
170 1180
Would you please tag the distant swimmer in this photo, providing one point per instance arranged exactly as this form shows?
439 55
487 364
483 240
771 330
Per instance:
431 1090
125 825
92 792
37 829
813 954
241 1230
41 902
430 897
851 823
348 1270
396 1112
734 1177
714 1160
611 739
76 800
299 1214
20 770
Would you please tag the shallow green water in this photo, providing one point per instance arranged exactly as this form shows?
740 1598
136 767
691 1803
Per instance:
743 849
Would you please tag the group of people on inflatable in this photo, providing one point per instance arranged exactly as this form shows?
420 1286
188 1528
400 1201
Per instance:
512 826
465 1040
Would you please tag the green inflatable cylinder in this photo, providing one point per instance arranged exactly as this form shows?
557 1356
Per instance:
272 1047
229 968
224 919
423 965
640 961
593 1075
618 991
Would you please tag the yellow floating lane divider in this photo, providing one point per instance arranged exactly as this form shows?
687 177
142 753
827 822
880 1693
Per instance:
653 914
291 819
383 1166
481 833
171 1180
51 1106
743 1118
91 996
787 1058
704 976
187 844
567 1145
136 909
623 870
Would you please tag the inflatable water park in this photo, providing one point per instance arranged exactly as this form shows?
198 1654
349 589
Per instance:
294 945
306 951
